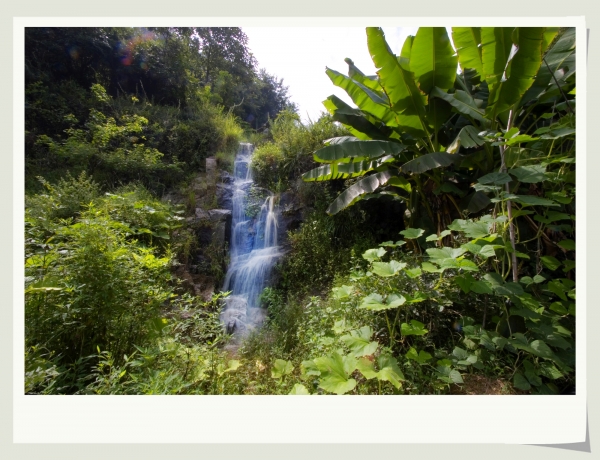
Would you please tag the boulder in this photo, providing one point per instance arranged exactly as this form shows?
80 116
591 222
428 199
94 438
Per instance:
224 196
221 219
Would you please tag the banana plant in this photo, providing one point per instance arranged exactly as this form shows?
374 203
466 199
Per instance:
413 118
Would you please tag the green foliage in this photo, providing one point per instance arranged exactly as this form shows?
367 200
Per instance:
290 152
424 112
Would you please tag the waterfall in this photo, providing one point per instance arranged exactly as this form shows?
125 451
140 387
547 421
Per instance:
253 249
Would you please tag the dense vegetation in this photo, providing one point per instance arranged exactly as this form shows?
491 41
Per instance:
115 119
436 251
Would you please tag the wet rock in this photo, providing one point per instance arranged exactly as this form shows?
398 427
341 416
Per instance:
291 215
221 219
202 214
226 178
224 196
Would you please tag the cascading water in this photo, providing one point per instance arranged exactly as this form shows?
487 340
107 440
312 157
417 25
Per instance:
253 251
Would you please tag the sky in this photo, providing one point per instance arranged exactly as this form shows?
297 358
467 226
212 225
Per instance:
299 55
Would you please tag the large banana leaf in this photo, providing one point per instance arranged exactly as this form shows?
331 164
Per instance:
557 57
467 41
365 98
355 120
437 113
463 103
356 191
344 152
432 59
404 59
344 170
496 43
520 71
322 173
468 137
430 161
405 98
371 82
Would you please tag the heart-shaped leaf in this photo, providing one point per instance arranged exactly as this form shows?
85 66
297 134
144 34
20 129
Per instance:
358 342
342 292
412 233
335 373
374 254
422 357
299 389
281 368
387 269
414 328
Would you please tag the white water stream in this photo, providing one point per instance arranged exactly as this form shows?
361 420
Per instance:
253 251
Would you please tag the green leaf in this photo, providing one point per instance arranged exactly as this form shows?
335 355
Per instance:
445 253
521 139
335 373
541 349
467 40
375 302
520 382
309 368
480 287
530 200
342 292
569 245
389 370
418 297
459 353
463 103
464 282
412 233
551 263
496 44
366 99
422 357
413 272
374 254
468 137
389 363
355 192
558 308
387 269
299 389
400 182
429 161
432 59
281 368
358 122
555 58
405 98
430 268
485 251
352 149
529 174
358 342
495 178
520 71
366 368
548 370
557 288
414 328
455 376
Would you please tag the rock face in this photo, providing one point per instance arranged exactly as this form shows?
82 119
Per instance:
210 228
221 219
291 215
225 196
